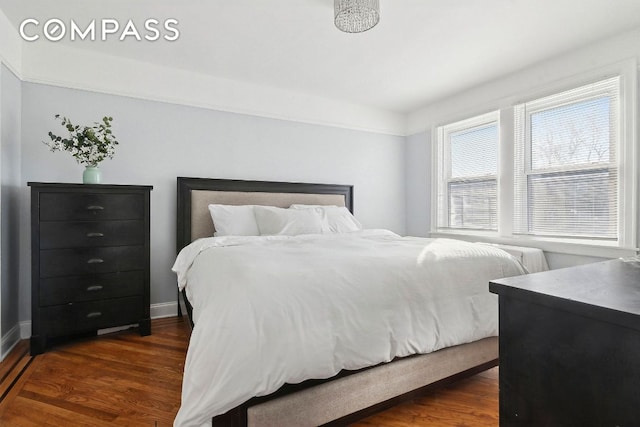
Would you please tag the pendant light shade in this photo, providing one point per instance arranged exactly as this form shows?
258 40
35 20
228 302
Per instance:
356 16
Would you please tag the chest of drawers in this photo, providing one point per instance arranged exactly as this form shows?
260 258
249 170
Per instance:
89 259
569 346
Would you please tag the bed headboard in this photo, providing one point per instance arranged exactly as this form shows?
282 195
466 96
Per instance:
195 194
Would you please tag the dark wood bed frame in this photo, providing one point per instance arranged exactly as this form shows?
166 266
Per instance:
237 417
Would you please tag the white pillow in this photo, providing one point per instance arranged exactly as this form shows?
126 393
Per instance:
336 219
231 220
288 222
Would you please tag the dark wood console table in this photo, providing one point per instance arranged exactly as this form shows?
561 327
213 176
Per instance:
570 346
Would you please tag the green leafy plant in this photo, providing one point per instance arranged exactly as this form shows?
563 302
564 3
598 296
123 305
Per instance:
88 144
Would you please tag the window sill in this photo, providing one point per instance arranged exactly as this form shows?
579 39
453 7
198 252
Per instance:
590 248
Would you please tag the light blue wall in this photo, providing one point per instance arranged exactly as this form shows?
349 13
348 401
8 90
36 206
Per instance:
161 141
10 115
418 184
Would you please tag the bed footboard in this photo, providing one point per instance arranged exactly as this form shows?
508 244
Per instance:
349 397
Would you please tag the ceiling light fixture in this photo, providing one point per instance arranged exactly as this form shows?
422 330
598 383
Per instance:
356 16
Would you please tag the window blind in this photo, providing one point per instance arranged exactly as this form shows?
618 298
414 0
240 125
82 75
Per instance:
566 165
468 168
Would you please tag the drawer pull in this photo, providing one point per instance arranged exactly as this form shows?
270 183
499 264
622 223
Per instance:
95 261
94 314
95 235
94 288
95 208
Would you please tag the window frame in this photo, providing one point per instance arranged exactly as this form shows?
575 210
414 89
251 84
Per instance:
627 170
524 149
443 166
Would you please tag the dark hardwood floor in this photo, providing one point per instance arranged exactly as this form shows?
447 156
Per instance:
471 402
116 379
123 379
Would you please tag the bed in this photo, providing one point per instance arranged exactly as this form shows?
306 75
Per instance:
338 390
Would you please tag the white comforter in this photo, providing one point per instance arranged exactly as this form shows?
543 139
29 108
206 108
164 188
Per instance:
275 310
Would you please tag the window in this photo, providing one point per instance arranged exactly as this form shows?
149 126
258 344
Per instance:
566 166
468 168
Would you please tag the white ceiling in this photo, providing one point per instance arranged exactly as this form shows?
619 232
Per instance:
421 51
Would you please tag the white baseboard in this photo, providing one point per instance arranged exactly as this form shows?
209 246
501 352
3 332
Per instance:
165 309
25 330
9 340
157 311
